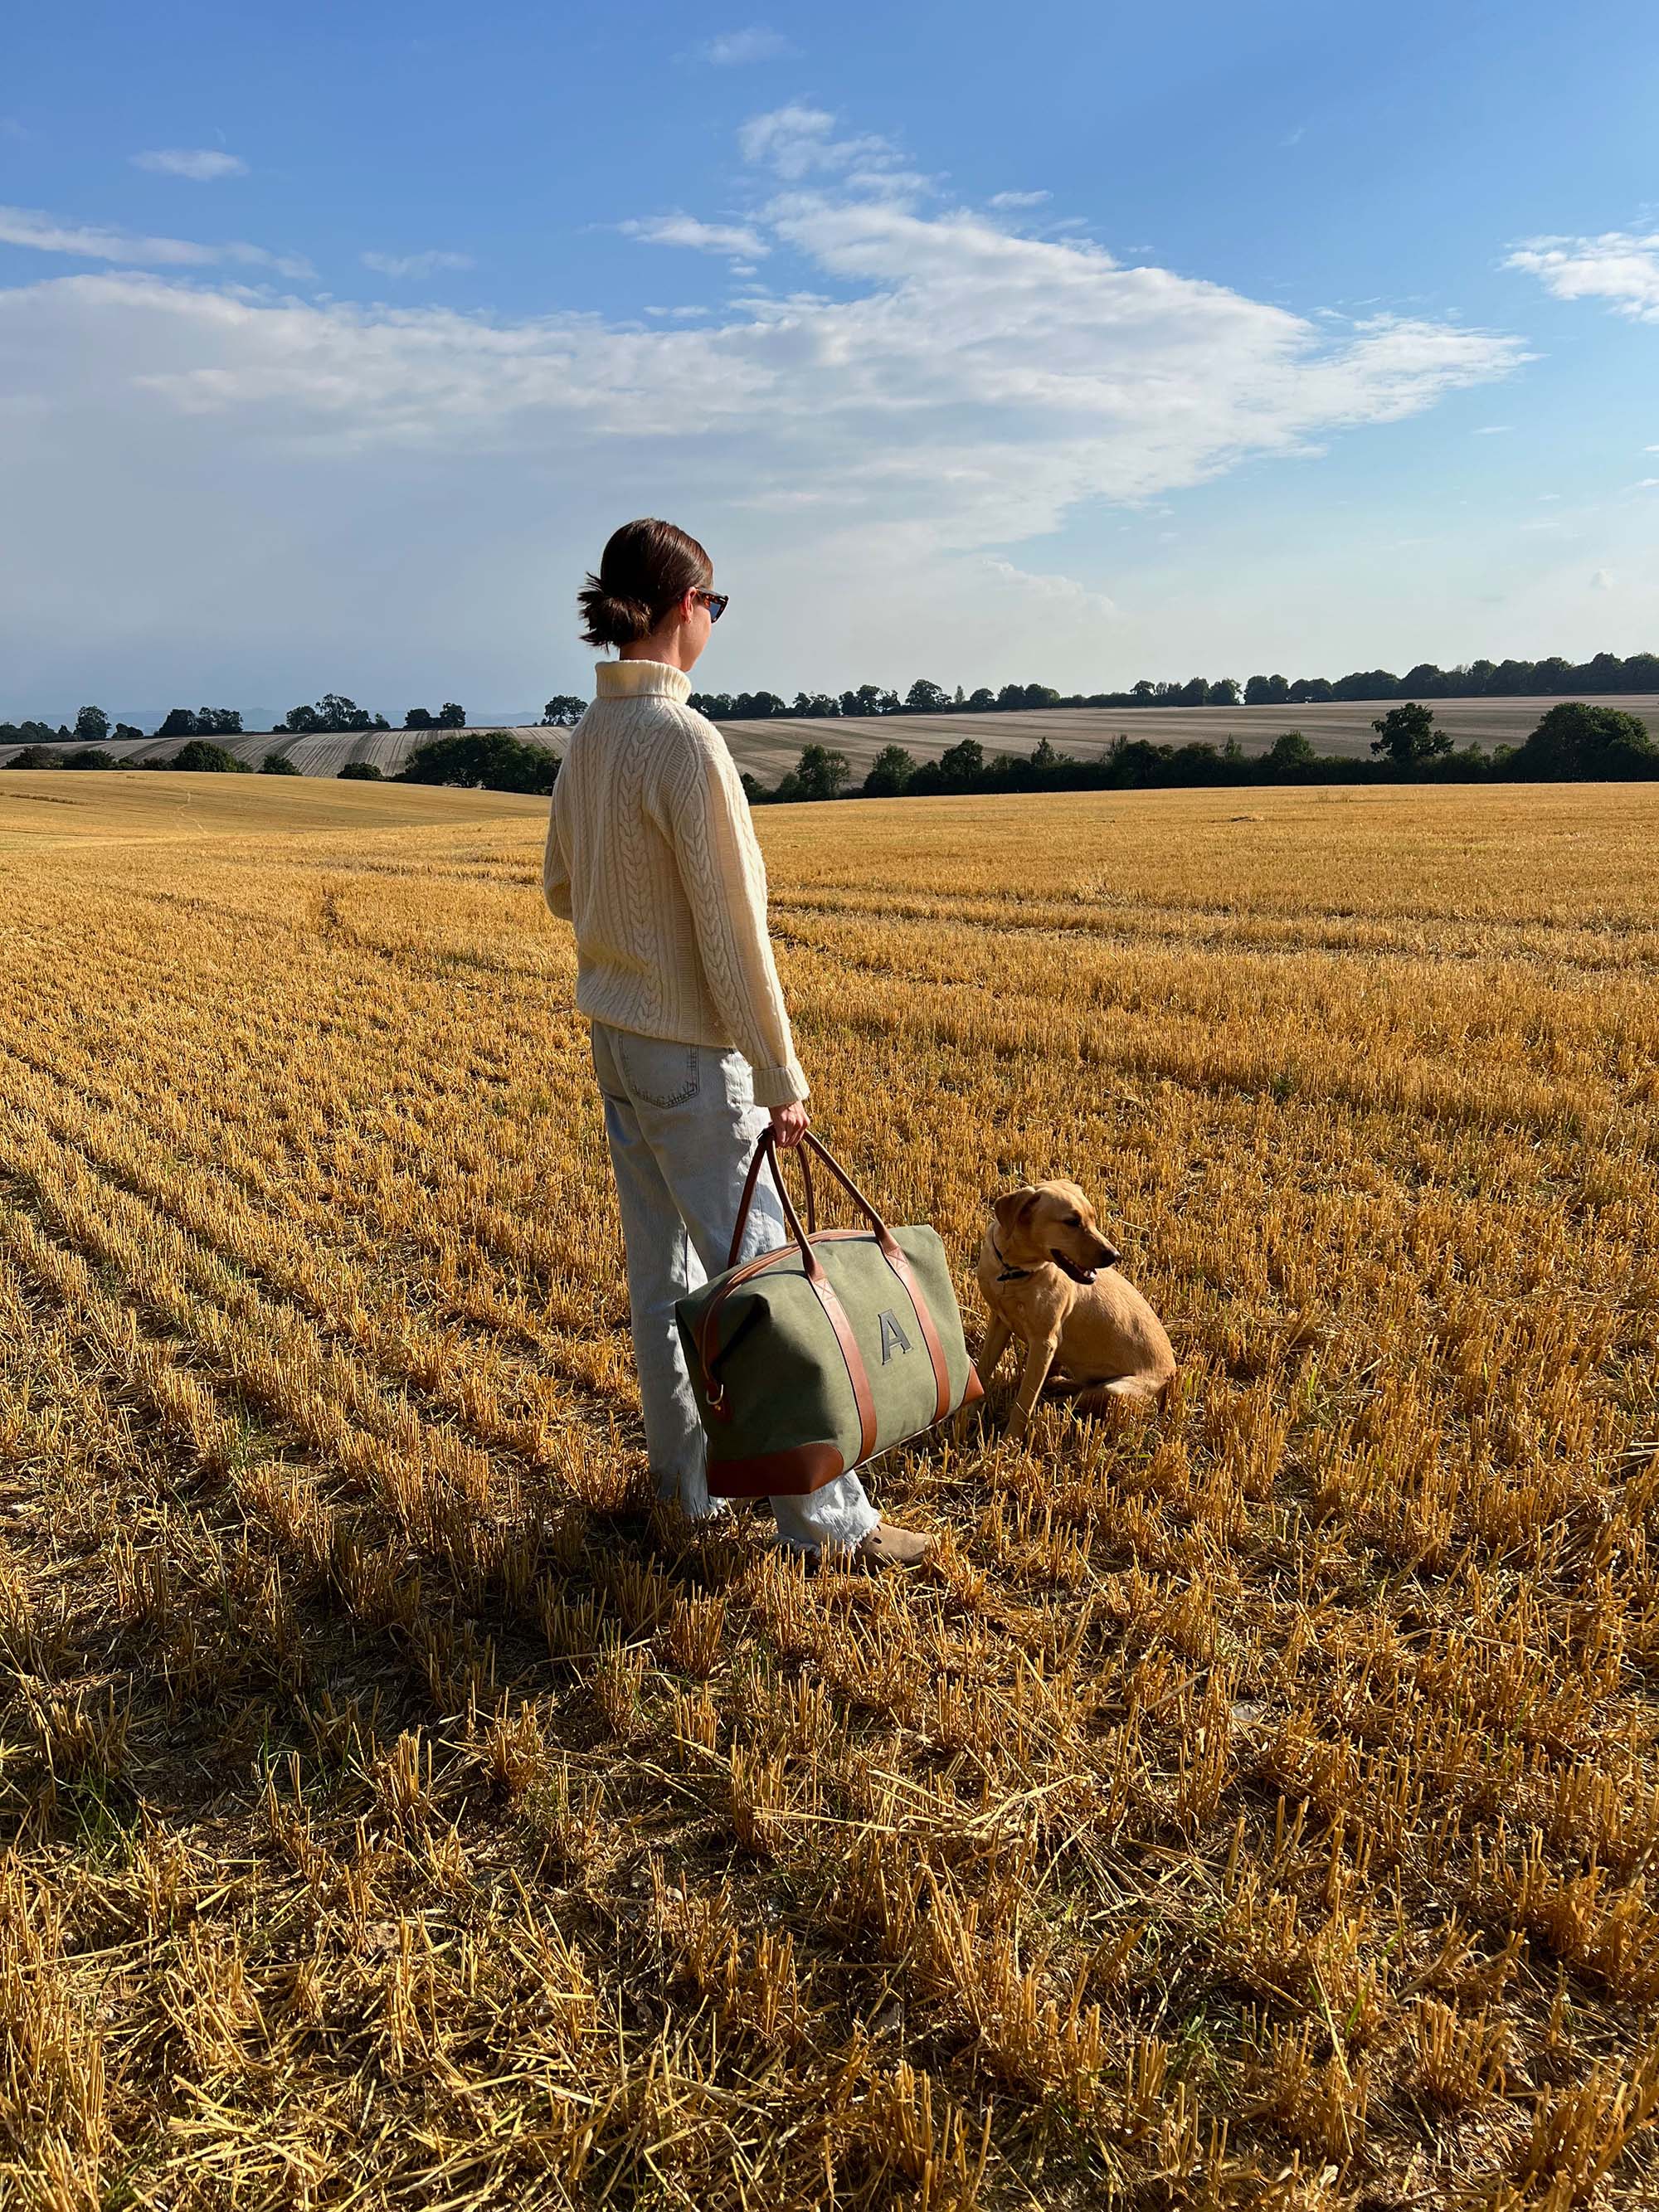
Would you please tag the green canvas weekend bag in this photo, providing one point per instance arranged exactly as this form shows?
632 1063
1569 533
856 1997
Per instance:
813 1358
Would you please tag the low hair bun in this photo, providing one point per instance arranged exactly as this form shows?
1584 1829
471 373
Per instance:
645 569
609 619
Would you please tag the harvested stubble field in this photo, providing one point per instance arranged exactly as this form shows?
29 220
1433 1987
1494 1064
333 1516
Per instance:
1254 1806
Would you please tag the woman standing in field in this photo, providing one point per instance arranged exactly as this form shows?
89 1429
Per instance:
652 855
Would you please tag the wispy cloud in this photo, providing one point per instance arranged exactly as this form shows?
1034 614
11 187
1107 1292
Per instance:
1491 430
1601 580
759 43
29 226
1620 266
202 165
416 265
738 239
934 389
1295 137
796 142
1018 199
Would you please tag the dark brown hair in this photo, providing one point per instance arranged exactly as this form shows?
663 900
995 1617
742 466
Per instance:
645 568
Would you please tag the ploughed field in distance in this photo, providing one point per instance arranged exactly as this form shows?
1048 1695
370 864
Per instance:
768 749
1253 1805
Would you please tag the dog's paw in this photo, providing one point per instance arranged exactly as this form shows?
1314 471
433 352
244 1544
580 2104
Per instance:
1018 1422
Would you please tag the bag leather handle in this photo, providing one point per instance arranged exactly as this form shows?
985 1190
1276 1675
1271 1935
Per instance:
766 1148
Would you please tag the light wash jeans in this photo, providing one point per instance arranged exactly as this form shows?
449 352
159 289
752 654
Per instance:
681 1121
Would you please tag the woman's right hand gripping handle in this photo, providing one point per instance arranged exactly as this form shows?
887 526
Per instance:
790 1124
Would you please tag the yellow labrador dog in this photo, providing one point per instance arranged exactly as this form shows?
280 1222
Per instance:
1048 1276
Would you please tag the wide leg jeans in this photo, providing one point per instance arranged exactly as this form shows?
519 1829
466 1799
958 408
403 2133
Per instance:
681 1122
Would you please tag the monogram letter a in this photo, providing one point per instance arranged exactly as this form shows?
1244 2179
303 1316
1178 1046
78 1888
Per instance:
891 1335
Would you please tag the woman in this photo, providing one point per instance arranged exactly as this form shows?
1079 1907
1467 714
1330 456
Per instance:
650 854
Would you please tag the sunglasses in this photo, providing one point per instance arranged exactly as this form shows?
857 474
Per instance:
716 603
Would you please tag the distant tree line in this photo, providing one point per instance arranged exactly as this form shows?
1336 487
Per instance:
1574 741
334 716
1477 679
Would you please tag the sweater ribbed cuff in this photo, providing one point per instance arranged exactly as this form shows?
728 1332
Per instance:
779 1086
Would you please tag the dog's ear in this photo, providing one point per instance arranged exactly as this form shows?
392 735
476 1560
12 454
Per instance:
1014 1207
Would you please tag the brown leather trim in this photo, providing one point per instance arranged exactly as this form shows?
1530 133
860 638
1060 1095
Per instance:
857 1374
898 1261
792 1473
976 1389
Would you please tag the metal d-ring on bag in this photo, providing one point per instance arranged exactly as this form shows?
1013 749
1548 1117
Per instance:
813 1358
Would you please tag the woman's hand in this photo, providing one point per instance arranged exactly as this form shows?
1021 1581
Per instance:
789 1124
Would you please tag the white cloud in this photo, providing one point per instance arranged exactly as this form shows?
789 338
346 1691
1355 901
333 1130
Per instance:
937 391
416 265
28 226
795 140
1644 484
1619 267
1018 199
1601 580
702 237
201 164
1491 430
759 43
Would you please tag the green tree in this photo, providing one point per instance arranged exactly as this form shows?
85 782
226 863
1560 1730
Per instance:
868 699
92 725
332 716
1577 739
961 766
125 732
821 773
564 710
449 716
890 773
1288 753
88 756
483 760
418 717
360 772
925 698
1406 736
278 764
200 758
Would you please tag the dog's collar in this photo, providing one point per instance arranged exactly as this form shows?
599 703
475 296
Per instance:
1009 1274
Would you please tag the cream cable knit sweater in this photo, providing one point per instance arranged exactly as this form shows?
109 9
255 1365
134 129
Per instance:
652 854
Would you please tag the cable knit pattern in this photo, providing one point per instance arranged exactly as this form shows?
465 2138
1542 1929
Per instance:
652 854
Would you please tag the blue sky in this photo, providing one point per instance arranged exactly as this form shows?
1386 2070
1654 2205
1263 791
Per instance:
1064 343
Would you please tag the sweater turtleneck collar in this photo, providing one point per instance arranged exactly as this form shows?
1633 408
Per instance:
636 679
